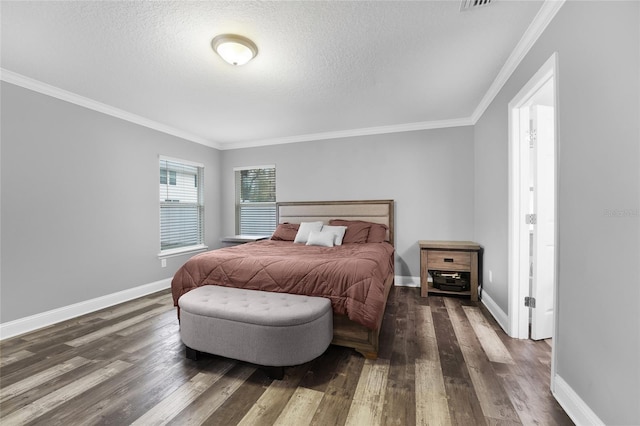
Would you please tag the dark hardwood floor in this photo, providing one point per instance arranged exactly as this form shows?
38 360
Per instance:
443 361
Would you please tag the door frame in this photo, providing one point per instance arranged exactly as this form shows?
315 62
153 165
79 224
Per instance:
518 246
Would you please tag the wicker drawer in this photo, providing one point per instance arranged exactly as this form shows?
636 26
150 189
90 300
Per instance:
449 260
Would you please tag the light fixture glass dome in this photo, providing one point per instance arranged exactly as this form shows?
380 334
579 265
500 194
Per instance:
234 49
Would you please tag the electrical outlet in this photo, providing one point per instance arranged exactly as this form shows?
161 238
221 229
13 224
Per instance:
163 263
490 276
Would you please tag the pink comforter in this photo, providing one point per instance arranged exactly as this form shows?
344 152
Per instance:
352 276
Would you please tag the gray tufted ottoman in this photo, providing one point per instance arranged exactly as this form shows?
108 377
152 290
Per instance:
264 328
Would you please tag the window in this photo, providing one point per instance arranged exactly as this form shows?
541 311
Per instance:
172 176
255 200
181 206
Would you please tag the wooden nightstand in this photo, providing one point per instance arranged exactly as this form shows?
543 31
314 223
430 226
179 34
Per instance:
449 256
235 240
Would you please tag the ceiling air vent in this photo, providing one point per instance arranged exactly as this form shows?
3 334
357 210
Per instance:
473 4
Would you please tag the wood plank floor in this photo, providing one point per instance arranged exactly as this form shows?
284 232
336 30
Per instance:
443 361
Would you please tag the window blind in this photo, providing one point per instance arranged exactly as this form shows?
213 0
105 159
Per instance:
255 200
181 205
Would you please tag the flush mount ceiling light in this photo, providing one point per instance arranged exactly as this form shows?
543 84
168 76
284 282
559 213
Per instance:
234 49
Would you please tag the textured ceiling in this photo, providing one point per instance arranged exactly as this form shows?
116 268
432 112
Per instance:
321 67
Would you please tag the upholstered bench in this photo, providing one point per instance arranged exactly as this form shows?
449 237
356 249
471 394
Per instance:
264 328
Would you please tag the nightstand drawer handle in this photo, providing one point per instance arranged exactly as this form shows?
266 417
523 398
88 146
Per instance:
448 259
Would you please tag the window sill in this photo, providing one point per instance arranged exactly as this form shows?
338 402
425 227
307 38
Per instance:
181 251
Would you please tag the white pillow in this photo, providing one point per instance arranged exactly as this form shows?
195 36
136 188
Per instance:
305 229
321 238
338 231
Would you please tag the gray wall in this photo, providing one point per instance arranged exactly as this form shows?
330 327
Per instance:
80 212
598 320
68 246
428 173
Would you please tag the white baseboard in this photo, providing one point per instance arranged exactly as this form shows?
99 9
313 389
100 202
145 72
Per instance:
501 317
405 281
573 405
45 319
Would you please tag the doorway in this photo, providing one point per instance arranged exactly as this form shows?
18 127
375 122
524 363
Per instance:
532 206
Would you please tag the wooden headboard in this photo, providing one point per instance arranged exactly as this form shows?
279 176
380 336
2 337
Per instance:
376 211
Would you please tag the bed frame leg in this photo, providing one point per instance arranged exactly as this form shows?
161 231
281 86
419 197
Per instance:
275 373
192 354
368 355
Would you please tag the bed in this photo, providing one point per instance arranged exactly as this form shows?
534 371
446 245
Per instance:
356 277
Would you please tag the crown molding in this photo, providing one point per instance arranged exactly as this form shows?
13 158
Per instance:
367 131
49 90
542 19
56 92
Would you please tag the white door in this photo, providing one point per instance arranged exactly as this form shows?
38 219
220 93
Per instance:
543 247
532 187
532 267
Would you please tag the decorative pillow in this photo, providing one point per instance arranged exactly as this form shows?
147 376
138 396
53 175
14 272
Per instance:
377 233
305 229
321 238
337 230
285 232
357 230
